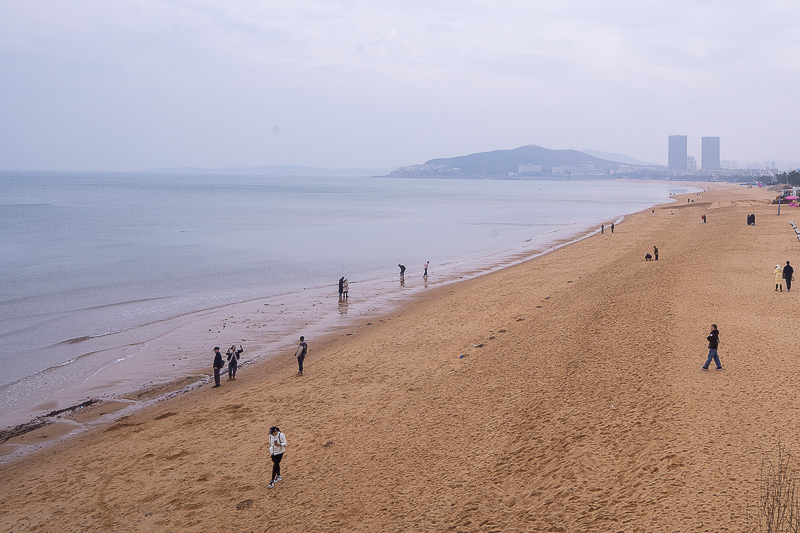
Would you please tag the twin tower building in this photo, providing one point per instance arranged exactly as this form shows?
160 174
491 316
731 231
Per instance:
680 160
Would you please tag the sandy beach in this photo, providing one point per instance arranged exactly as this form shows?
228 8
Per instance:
561 394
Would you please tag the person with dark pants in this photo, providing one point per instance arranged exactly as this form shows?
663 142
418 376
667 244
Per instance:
218 364
302 349
655 253
788 275
713 344
277 445
402 271
233 360
341 286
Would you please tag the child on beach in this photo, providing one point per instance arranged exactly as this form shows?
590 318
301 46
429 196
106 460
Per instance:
277 445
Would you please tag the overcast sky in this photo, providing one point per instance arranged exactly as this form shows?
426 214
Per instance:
126 85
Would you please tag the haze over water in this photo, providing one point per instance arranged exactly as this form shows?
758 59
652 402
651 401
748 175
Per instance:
103 255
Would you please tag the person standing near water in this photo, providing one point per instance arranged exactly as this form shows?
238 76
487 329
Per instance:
402 271
341 286
602 229
425 268
277 446
218 364
345 288
233 360
612 227
713 344
302 350
788 275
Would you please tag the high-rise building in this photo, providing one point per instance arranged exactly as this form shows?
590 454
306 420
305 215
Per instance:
710 158
691 163
677 152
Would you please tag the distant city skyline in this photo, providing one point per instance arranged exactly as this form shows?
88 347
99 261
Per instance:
710 150
130 85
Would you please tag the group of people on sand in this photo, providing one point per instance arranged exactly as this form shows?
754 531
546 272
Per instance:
277 439
784 274
344 288
233 355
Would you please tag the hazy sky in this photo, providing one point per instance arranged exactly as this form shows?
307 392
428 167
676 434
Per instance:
123 84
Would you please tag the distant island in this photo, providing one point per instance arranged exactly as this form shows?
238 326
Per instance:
528 161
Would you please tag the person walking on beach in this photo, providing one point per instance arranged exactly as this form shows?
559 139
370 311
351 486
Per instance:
345 288
218 364
713 344
655 253
402 271
602 229
302 350
277 445
233 360
425 268
612 227
788 275
778 278
341 286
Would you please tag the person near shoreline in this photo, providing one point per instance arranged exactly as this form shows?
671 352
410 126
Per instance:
302 350
602 229
612 227
277 445
402 271
233 360
778 278
425 269
788 275
345 288
655 253
341 286
218 364
713 344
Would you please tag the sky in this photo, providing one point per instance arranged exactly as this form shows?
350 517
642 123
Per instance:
134 85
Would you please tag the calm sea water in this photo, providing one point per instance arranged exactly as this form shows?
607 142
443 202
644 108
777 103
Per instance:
90 255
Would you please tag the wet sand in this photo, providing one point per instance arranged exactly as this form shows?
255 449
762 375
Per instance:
561 394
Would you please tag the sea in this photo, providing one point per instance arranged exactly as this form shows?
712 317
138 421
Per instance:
94 263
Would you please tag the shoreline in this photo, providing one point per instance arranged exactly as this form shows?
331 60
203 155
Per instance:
580 367
71 420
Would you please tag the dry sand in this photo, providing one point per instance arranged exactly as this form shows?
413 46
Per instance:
579 404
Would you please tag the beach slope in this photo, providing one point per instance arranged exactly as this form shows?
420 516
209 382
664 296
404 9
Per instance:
561 394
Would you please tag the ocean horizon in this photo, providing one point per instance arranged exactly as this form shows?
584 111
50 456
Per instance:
97 263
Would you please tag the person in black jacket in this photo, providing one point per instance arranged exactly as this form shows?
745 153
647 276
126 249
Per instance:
233 360
302 350
788 275
713 344
218 364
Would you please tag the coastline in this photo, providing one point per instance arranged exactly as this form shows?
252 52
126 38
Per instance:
580 367
137 372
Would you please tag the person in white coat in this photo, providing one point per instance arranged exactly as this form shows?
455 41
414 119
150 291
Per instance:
277 445
778 278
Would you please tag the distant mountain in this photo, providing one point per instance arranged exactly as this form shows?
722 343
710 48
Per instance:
282 170
622 158
524 161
